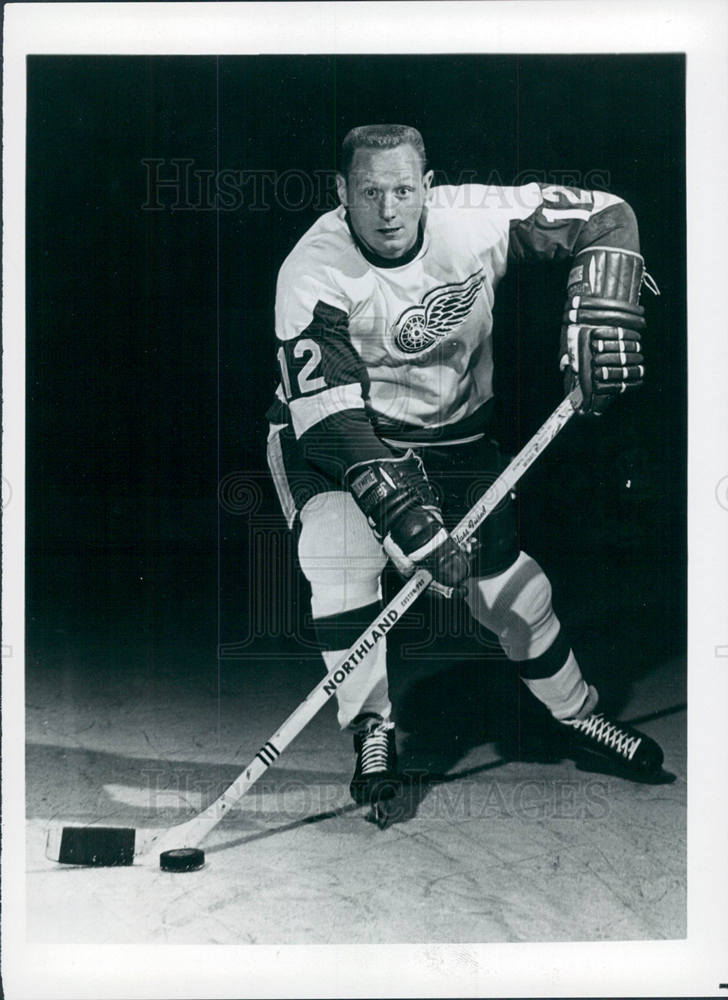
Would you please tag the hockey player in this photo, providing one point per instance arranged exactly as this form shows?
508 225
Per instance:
383 323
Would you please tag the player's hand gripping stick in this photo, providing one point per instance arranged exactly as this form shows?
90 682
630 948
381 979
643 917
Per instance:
400 504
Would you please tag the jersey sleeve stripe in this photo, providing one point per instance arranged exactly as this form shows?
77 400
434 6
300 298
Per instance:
557 214
278 472
310 410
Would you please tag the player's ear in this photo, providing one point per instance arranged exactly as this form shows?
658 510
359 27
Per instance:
341 189
427 180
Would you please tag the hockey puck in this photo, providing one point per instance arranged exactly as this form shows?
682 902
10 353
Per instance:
182 859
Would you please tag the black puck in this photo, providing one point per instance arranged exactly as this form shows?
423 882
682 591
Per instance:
182 859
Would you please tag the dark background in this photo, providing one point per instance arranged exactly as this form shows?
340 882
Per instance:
153 537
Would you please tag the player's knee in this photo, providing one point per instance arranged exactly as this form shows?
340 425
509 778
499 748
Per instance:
519 608
338 554
530 625
535 600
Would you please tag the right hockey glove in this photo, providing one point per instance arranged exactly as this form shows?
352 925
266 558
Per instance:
401 507
601 336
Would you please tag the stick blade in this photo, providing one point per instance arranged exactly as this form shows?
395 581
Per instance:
96 846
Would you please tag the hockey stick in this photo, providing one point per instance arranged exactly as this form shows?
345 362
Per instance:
104 846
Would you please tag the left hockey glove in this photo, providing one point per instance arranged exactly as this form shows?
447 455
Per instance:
601 335
401 507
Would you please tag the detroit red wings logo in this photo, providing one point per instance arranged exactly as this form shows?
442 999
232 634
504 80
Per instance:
421 328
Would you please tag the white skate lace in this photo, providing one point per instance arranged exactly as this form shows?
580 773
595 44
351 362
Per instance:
374 752
607 733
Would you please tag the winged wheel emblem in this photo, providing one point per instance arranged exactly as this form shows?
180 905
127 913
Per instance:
444 309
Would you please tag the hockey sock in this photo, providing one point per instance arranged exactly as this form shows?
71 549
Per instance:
366 690
516 605
565 693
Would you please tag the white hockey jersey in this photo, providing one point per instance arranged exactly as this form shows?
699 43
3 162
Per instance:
372 348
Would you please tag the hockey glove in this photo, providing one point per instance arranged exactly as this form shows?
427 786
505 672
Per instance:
601 335
401 507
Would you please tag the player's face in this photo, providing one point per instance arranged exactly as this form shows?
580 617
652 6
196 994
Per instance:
385 193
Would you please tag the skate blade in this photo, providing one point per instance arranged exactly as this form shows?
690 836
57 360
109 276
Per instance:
595 764
378 815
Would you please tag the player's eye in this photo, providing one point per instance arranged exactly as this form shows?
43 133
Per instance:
370 192
404 191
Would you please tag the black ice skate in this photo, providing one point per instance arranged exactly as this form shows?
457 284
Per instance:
376 778
614 747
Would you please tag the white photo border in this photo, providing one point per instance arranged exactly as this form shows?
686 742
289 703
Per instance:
691 967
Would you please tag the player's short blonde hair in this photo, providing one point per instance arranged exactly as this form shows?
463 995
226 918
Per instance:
380 137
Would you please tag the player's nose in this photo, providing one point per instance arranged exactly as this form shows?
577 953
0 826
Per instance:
387 206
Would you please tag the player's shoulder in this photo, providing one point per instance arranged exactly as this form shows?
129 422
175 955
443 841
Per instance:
449 200
320 248
315 276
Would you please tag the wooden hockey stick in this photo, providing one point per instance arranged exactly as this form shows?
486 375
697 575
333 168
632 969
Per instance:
105 846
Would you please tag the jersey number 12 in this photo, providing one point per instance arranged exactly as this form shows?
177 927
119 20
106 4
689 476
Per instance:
307 381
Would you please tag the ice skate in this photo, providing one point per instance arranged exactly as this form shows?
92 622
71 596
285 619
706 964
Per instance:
376 778
612 746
